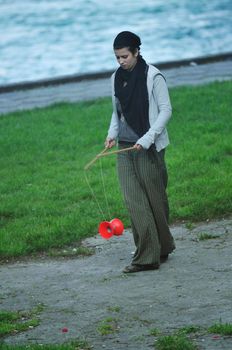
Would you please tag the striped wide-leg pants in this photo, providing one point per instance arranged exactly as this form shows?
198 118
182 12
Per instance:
143 180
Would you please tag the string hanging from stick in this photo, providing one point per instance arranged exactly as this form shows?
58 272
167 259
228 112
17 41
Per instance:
104 189
94 196
88 183
94 159
98 156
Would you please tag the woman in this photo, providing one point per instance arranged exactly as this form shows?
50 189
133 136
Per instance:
141 110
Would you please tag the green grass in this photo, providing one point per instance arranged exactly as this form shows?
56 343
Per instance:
221 328
45 202
200 157
73 345
203 236
190 226
107 326
12 322
179 340
189 329
184 338
114 308
155 332
175 342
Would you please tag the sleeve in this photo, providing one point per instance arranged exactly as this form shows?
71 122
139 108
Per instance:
161 100
114 123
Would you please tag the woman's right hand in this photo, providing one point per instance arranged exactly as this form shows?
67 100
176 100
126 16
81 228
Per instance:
109 143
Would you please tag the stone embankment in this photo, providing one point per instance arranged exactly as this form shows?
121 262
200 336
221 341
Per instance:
24 96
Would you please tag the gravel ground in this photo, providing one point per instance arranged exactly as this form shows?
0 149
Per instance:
194 287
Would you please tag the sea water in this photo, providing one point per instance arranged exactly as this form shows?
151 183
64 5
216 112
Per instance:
51 38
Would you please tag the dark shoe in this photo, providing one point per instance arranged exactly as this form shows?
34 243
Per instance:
163 258
138 268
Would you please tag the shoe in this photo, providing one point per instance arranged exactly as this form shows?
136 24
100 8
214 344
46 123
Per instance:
138 268
163 258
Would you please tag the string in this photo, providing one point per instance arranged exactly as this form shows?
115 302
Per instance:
94 196
101 154
104 189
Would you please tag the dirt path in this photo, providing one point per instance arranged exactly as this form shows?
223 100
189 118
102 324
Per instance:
193 288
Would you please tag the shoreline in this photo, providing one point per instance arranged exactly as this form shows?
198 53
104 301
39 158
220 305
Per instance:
89 87
27 85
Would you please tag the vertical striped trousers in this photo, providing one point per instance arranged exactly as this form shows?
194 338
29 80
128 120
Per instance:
143 180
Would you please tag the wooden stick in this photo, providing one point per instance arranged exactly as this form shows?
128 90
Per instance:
94 159
104 153
115 152
104 150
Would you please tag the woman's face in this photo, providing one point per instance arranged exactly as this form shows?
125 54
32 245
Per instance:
126 59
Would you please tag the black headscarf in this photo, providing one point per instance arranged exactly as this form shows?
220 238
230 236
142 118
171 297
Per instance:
126 39
131 90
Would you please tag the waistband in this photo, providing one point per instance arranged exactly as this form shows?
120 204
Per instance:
126 143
